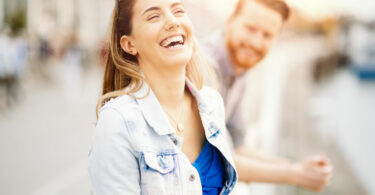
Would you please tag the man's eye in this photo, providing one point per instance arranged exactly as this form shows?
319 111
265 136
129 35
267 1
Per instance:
267 35
251 29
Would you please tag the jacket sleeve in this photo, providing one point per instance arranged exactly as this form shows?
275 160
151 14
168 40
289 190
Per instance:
112 163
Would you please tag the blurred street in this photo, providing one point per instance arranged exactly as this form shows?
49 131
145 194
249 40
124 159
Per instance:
334 118
45 138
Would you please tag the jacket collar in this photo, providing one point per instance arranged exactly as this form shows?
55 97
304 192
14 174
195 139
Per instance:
154 113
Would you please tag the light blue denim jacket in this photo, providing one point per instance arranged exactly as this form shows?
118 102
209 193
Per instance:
135 149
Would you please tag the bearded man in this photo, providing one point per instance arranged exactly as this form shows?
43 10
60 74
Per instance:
248 36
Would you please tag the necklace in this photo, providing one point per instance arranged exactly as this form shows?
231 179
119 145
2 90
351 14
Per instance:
180 126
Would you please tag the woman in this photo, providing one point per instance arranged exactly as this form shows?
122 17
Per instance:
160 132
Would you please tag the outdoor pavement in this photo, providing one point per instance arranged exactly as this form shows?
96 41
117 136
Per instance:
46 136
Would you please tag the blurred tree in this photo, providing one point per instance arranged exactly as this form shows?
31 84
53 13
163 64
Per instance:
16 22
15 15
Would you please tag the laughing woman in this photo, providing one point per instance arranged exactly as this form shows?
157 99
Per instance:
158 130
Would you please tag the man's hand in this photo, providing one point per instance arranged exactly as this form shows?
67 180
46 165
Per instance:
312 173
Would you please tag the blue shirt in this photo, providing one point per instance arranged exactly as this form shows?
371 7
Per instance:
210 167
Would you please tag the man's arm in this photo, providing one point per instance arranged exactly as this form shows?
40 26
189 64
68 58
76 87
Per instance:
255 170
311 173
260 156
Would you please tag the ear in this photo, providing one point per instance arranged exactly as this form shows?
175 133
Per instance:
127 45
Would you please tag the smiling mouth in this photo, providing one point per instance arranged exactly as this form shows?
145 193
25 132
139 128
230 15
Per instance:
173 41
251 52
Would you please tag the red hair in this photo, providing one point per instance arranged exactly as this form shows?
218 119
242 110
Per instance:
279 6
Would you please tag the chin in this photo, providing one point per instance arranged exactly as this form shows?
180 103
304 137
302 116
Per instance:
247 63
181 59
184 57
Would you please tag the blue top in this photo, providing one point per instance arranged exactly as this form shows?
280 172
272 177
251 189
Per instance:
209 165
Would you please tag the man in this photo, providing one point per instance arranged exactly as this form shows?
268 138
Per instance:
250 32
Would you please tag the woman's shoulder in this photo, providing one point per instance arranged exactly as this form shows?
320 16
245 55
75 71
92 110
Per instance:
120 103
210 93
120 118
212 100
123 108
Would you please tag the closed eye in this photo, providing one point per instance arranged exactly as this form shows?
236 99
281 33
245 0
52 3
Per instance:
267 35
251 28
177 8
152 17
179 12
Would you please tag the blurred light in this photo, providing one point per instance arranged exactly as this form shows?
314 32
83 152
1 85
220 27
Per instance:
318 9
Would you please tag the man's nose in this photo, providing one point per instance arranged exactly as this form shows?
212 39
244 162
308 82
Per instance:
256 40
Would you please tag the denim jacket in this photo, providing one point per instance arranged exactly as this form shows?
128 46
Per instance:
135 149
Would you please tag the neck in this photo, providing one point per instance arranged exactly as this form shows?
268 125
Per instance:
167 83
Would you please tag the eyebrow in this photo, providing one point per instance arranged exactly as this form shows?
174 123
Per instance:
158 8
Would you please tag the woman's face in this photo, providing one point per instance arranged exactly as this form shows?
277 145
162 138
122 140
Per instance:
161 32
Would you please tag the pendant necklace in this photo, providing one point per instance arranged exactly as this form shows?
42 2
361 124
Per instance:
180 126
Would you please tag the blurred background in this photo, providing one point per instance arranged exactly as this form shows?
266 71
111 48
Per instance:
314 93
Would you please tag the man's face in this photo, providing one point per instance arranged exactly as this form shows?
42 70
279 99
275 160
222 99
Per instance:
251 33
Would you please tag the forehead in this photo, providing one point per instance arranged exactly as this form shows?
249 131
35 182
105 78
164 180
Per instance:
142 5
260 15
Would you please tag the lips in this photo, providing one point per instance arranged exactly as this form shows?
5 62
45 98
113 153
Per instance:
173 41
251 52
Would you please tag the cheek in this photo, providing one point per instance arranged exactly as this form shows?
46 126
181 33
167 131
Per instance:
268 45
185 20
146 36
188 26
233 40
240 37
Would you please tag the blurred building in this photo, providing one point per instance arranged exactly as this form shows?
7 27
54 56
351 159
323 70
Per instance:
55 18
1 12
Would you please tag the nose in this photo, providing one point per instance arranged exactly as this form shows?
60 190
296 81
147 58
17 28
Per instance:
256 40
171 22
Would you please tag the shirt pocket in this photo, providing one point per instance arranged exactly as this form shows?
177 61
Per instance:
162 162
159 173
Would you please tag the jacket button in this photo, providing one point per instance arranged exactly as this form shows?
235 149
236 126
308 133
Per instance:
191 177
175 141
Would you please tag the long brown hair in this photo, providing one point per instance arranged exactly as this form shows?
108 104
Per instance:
122 70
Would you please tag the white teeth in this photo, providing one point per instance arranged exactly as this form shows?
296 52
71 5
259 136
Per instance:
168 41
